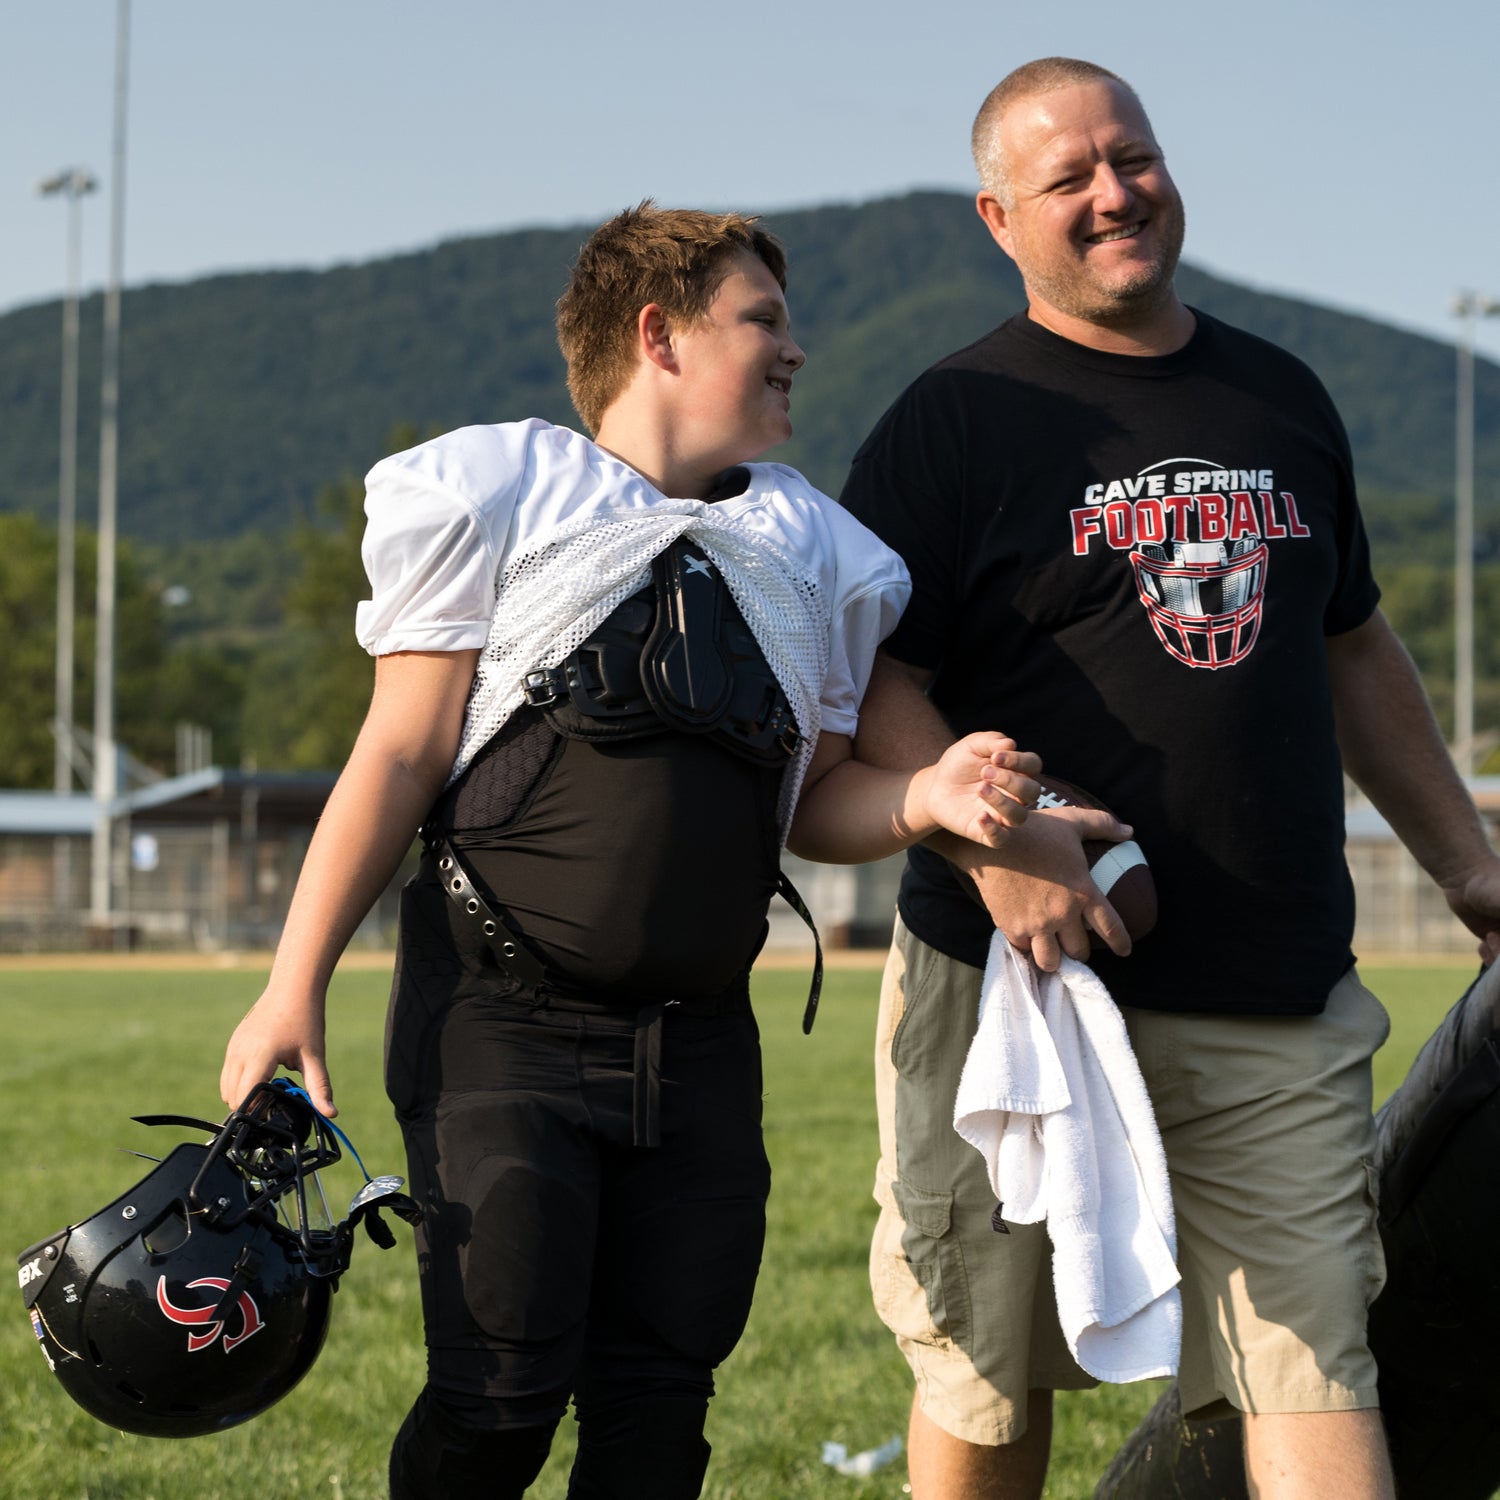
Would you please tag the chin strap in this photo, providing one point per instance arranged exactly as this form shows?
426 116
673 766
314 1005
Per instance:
286 1086
367 1204
793 898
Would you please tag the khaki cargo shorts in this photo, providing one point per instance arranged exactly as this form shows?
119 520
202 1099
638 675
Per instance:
1269 1137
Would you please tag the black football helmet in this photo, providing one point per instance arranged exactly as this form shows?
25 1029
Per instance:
201 1295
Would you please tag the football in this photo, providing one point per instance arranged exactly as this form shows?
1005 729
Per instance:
1119 870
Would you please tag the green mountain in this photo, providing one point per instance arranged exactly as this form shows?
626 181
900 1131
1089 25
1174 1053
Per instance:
243 395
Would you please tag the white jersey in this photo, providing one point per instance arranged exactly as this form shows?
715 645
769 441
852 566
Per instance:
521 539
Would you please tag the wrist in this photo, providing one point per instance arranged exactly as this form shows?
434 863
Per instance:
917 822
290 990
1455 874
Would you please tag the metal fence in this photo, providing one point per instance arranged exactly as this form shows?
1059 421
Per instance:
202 888
211 889
1399 909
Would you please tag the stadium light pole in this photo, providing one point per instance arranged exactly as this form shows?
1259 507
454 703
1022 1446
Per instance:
1468 307
106 767
72 183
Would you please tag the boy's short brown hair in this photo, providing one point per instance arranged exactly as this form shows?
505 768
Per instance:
674 256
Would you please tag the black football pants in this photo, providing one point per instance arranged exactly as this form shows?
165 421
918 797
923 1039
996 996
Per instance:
557 1258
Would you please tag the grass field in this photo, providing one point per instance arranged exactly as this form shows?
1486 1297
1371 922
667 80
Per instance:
89 1048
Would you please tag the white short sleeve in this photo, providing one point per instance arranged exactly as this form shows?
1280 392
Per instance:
868 585
857 630
874 587
437 518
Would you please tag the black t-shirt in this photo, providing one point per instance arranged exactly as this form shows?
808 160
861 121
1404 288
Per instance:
1130 565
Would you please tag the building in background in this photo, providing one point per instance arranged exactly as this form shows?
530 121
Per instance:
212 857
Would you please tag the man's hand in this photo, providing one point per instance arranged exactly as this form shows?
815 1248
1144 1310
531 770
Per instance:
1042 896
1474 897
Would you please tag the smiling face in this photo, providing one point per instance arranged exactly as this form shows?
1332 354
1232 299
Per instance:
735 366
1092 218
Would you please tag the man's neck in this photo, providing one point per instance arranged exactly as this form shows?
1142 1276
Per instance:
1162 330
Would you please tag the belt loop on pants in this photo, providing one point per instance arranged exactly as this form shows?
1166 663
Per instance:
646 1098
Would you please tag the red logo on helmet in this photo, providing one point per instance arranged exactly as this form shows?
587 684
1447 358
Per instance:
192 1316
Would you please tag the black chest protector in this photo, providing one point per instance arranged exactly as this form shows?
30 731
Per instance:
675 657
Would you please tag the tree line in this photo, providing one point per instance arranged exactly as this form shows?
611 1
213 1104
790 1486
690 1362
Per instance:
241 394
253 637
258 648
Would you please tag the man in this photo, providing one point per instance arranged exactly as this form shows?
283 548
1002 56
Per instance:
1134 540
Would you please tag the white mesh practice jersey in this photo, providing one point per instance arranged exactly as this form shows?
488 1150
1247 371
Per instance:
522 538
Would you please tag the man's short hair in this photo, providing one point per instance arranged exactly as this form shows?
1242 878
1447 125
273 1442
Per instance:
677 257
1030 79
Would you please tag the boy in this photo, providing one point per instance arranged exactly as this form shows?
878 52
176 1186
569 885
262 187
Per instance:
604 670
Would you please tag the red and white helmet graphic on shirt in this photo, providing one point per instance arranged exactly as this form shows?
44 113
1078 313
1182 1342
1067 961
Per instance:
1203 598
195 1317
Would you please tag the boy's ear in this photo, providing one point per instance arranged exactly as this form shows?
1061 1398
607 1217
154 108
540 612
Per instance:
654 330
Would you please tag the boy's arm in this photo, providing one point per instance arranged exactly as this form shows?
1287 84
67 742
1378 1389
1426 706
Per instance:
849 812
1038 891
396 769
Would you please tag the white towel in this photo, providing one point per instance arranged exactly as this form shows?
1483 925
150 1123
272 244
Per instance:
1052 1097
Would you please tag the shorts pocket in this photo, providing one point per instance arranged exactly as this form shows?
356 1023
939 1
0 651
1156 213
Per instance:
917 1269
909 1043
929 1214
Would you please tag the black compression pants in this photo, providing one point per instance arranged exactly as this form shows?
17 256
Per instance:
557 1258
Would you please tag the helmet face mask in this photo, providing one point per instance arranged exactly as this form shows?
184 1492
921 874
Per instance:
1204 598
201 1295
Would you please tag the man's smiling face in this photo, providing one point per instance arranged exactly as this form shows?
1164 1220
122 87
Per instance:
1092 218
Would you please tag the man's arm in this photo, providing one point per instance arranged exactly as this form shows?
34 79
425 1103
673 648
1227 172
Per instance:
1037 890
1394 752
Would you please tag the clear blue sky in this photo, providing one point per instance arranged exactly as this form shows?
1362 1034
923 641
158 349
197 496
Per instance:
1341 150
